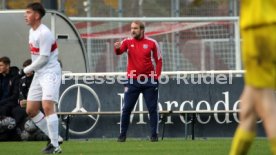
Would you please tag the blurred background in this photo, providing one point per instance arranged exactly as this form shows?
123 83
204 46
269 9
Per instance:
134 8
193 35
186 45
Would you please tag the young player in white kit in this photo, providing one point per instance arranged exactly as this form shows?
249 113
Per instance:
47 78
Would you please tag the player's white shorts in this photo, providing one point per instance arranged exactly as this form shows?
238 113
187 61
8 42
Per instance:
45 86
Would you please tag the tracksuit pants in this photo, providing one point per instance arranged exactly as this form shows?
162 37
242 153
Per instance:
132 92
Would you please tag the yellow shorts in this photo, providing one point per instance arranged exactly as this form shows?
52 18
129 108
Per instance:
259 56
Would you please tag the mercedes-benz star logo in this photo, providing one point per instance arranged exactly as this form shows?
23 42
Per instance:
79 106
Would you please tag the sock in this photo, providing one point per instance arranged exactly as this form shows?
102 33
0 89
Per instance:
52 123
242 142
40 122
272 142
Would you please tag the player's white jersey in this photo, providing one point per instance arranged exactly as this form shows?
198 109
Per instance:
42 42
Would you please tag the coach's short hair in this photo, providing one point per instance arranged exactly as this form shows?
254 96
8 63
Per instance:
37 7
5 60
140 23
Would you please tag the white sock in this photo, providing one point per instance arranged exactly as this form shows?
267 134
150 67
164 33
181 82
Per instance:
52 123
41 123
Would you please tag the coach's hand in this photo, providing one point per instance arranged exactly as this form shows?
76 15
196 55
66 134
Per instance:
117 44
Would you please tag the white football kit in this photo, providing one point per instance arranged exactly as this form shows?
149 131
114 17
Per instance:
47 78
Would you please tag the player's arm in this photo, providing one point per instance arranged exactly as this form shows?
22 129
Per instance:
158 59
37 64
120 47
45 43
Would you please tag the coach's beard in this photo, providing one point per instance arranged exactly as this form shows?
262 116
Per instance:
136 36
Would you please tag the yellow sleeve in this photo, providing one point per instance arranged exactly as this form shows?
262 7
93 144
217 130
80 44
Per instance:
257 12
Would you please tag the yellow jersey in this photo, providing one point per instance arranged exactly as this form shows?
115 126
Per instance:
257 12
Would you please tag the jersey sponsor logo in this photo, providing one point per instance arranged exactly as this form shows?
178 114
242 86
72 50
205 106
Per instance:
131 45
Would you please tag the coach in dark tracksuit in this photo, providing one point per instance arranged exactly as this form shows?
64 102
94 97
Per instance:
142 76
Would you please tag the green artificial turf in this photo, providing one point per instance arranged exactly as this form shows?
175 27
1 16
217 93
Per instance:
168 146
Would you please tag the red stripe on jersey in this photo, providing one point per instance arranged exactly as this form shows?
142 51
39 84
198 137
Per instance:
35 50
54 46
